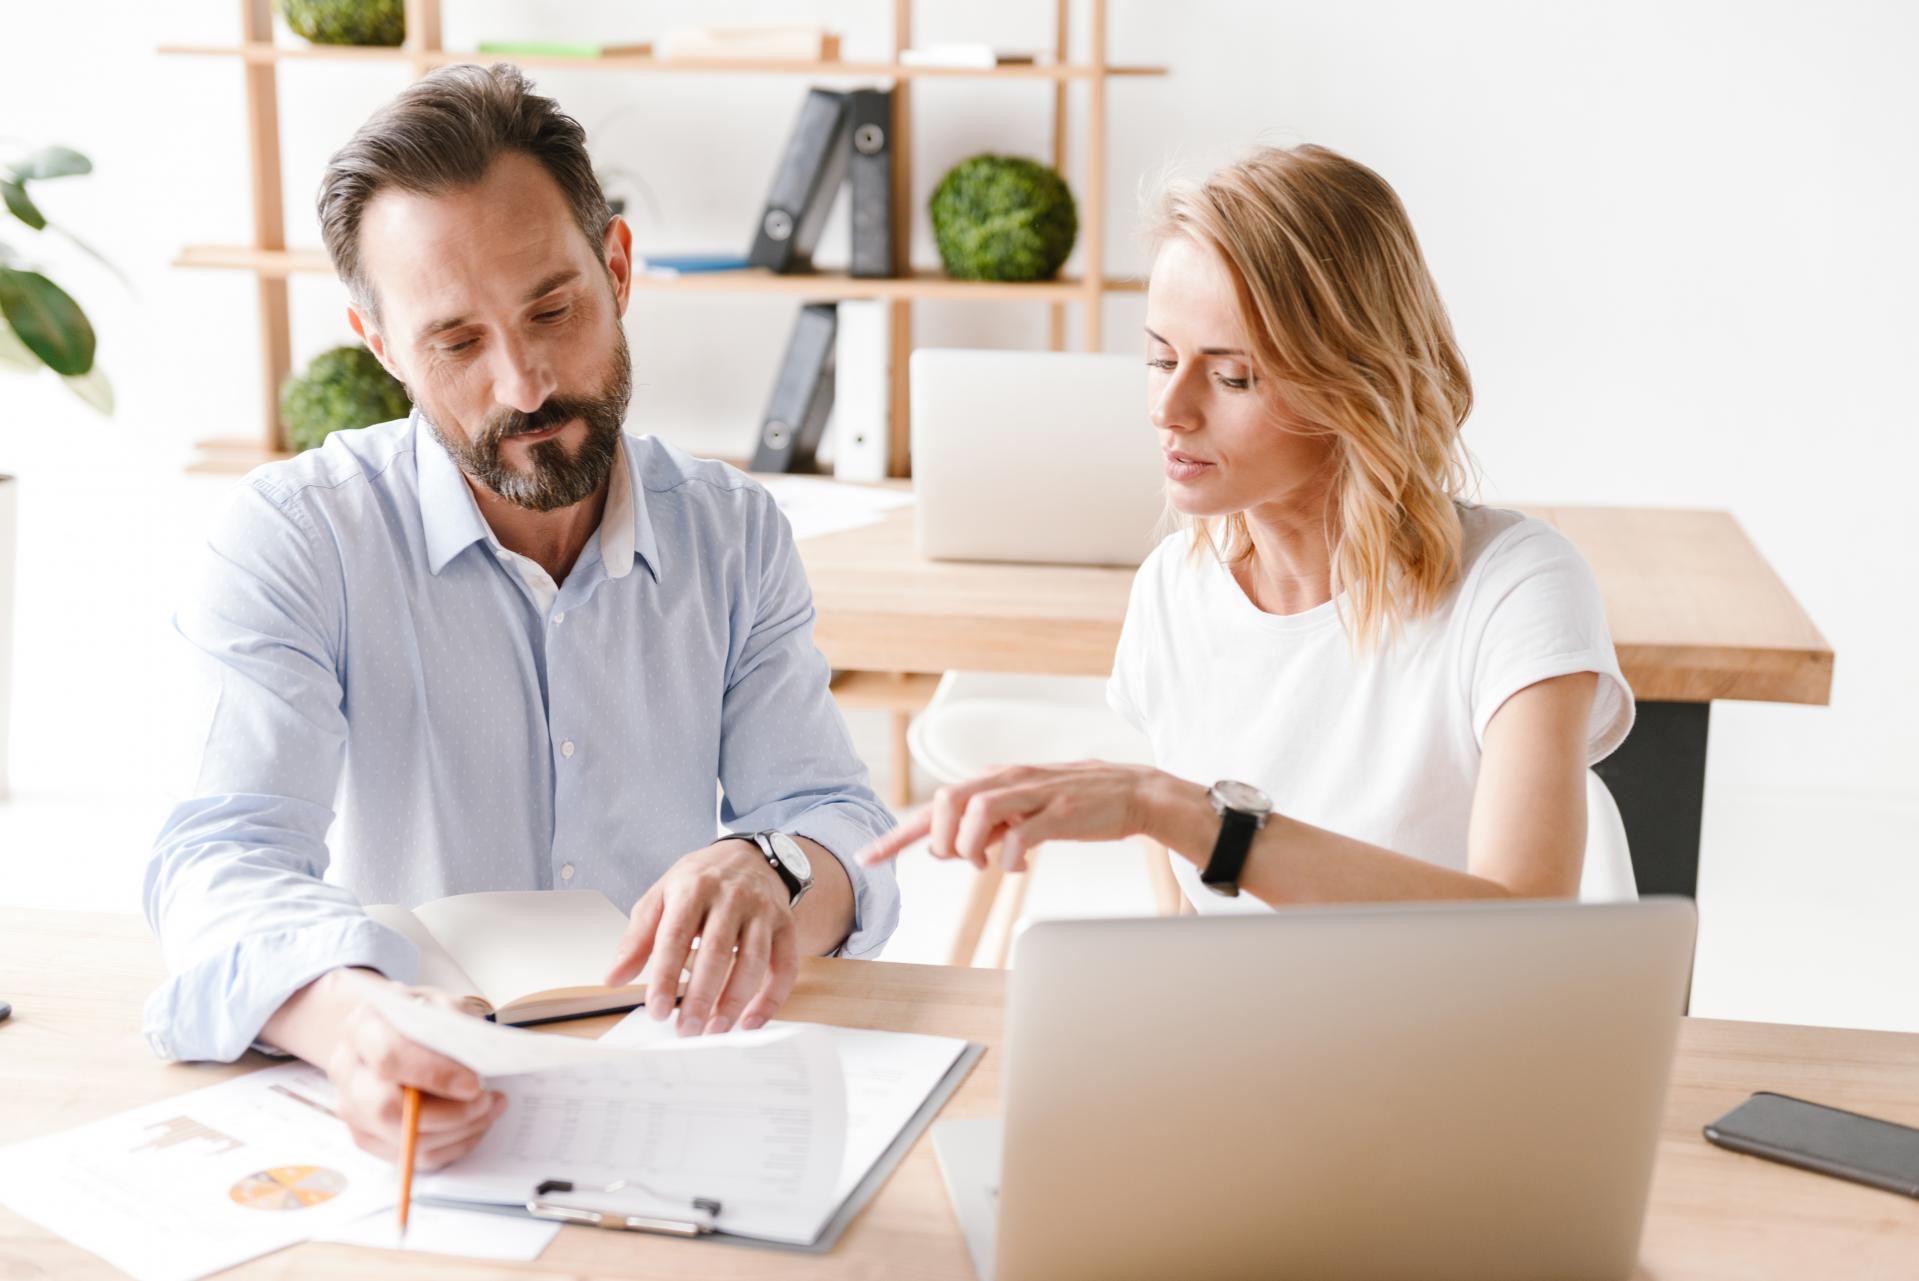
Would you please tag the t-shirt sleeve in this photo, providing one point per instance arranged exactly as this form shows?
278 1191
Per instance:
1536 613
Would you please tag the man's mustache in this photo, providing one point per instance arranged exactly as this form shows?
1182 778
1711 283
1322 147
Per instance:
510 423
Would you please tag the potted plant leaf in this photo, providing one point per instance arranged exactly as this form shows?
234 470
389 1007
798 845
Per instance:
344 387
41 328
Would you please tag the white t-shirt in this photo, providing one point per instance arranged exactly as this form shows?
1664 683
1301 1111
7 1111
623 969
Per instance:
1379 745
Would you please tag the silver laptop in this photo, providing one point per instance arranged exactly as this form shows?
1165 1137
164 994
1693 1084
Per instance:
1034 456
1432 1092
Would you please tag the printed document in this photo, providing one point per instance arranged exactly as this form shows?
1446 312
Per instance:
199 1182
753 1120
888 1077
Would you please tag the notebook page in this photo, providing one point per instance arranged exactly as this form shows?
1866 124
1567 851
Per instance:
516 943
437 969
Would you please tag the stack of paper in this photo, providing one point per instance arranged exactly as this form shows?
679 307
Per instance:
787 1128
781 1126
814 505
756 44
972 56
890 1076
755 1120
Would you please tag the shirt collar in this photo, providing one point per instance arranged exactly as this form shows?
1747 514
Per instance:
447 507
453 520
626 528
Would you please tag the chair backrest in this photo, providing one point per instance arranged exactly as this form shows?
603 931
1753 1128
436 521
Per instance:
977 721
1608 875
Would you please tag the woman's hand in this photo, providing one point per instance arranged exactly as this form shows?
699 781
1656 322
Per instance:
1026 805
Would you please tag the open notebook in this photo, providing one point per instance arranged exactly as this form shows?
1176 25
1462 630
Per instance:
529 955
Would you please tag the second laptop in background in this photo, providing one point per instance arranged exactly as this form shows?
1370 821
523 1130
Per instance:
1035 456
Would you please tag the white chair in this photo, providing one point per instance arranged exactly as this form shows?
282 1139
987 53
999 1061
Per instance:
1608 875
979 721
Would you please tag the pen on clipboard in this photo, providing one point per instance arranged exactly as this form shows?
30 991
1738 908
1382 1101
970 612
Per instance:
409 1143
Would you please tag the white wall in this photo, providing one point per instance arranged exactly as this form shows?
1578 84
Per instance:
1677 240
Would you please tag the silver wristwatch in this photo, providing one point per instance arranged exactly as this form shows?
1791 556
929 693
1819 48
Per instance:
1242 810
787 858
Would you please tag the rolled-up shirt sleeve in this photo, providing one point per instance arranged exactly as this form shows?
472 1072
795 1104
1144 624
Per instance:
786 760
234 886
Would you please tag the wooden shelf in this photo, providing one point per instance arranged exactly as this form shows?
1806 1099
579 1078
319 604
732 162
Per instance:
262 54
271 263
920 284
267 262
822 284
232 457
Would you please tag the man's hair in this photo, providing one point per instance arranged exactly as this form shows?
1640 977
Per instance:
441 134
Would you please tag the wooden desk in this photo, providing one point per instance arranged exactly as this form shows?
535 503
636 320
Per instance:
1696 615
73 1053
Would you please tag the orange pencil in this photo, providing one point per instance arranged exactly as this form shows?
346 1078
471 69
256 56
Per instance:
410 1140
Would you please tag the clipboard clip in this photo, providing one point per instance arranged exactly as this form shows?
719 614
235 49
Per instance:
541 1206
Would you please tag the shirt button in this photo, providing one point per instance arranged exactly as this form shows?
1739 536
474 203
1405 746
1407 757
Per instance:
559 618
566 872
566 748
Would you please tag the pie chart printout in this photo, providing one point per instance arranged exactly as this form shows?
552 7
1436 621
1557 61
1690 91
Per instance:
288 1187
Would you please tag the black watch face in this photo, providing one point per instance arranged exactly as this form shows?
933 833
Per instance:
1243 797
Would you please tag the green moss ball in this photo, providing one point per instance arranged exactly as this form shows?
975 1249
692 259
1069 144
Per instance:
381 22
344 387
1003 218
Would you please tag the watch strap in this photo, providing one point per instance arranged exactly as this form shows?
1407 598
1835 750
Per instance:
794 886
1236 830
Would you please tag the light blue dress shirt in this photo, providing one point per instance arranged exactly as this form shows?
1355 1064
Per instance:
392 708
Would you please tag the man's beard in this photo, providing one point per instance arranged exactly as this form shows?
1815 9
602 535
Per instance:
553 478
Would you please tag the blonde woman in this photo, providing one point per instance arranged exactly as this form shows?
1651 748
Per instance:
1357 685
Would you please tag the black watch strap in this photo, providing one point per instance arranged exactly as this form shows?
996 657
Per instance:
1236 829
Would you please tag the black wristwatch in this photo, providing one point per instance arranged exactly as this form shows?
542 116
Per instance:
787 858
1242 810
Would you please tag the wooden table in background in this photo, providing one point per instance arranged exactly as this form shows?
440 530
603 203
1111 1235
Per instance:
73 1053
1696 615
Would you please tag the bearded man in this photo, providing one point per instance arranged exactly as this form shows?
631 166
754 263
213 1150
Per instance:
498 645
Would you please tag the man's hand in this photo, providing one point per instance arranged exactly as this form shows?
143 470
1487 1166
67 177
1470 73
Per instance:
730 898
332 1024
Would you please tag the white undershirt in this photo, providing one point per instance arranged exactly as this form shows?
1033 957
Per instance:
616 540
1382 747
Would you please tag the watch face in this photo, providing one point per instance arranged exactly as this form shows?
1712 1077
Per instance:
1242 796
792 855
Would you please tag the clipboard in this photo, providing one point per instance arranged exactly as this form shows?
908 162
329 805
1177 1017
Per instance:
600 1207
564 1202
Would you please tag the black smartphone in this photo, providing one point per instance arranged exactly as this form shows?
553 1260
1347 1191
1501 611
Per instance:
1828 1140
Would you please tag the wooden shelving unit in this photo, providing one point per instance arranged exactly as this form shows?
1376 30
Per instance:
271 261
262 52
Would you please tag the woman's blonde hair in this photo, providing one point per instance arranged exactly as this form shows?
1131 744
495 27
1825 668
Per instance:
1346 326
